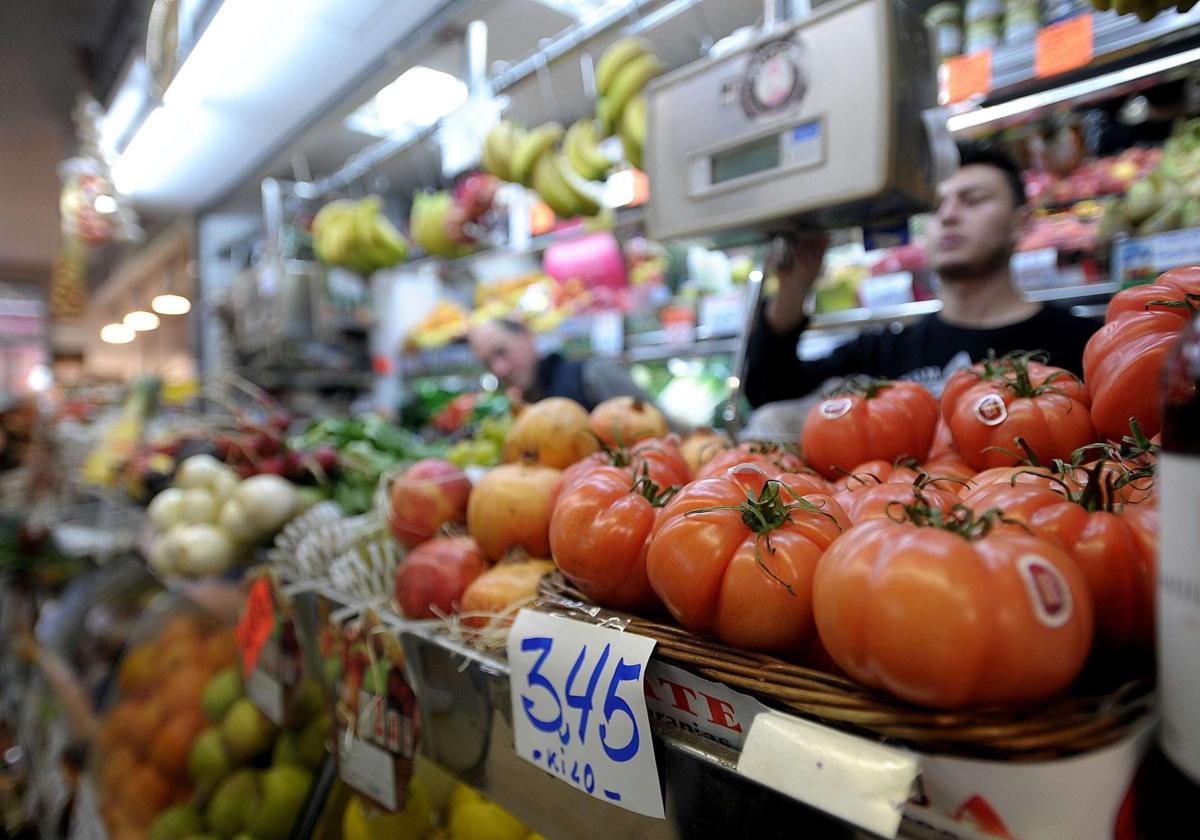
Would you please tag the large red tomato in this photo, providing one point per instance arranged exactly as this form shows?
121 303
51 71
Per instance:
599 534
949 619
1006 368
872 473
659 458
887 500
880 421
1044 407
734 556
1123 361
770 456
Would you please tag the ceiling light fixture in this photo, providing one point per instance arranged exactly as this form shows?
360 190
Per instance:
139 320
418 98
115 333
171 305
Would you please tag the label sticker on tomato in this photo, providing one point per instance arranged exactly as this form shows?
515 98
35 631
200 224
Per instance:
1048 590
579 708
991 410
833 409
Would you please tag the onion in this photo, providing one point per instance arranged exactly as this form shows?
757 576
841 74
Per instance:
166 511
225 483
269 502
236 525
198 471
198 505
202 550
164 552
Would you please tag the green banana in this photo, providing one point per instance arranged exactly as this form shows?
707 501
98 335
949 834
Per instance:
548 181
585 204
498 148
628 84
582 147
633 121
530 147
615 57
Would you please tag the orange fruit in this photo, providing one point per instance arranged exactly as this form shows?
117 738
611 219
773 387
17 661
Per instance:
120 723
220 650
117 765
184 688
144 794
178 655
139 670
173 741
147 717
182 627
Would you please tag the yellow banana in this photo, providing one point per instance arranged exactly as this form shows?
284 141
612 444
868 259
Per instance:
628 84
582 147
530 147
584 203
498 149
548 180
633 121
615 57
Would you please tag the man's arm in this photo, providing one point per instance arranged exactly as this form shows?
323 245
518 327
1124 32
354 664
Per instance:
605 378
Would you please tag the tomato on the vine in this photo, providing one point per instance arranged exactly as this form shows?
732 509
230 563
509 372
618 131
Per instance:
734 556
946 612
772 457
885 500
659 458
878 420
1046 407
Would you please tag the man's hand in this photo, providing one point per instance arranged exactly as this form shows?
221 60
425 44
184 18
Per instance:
798 270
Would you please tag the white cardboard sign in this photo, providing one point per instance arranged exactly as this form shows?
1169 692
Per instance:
579 708
684 701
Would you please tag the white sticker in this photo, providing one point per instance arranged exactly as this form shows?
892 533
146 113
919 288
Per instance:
854 779
1048 590
833 409
367 769
681 700
579 708
265 692
991 410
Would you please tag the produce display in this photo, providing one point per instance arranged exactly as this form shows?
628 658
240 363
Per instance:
357 235
1166 198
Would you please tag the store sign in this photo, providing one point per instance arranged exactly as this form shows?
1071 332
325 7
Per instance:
375 712
856 780
964 76
579 708
271 650
680 700
1062 47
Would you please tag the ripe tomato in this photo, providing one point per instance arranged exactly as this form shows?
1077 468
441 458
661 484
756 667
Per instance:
1045 407
876 472
1123 361
886 501
770 456
660 458
882 420
599 535
1004 369
950 465
951 620
1042 477
748 584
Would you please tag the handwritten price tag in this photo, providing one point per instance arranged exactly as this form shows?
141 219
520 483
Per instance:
256 623
579 708
1064 46
968 75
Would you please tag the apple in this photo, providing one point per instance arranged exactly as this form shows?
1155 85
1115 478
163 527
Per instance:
175 823
224 688
431 493
283 789
233 804
208 762
510 508
246 731
431 579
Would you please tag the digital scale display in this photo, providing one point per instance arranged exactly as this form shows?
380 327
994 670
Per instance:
797 146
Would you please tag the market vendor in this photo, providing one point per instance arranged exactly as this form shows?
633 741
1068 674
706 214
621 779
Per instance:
508 350
974 230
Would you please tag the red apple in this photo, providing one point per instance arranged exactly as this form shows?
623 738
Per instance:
432 578
431 493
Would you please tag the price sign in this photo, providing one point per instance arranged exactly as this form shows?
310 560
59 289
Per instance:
376 713
256 623
1064 46
579 708
681 700
967 75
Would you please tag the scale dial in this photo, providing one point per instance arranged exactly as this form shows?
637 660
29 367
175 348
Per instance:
772 79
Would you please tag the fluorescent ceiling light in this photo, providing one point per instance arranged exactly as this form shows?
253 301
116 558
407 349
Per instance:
139 320
171 305
128 106
1015 107
116 334
418 98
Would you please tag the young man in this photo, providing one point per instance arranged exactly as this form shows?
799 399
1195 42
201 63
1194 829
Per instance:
980 211
507 349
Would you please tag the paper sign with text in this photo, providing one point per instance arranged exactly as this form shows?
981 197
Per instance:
255 623
1062 47
679 699
274 679
375 712
579 708
967 75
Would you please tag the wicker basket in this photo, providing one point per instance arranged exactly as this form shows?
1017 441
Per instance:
1067 725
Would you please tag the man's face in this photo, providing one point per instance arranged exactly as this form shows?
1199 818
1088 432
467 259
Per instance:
511 357
976 223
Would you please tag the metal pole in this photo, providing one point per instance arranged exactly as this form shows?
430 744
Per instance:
477 32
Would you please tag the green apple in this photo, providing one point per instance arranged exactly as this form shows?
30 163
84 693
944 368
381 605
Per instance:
224 688
234 803
312 745
287 749
309 702
246 730
208 762
175 823
284 788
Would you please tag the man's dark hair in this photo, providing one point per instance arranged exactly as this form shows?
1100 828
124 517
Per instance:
987 154
512 325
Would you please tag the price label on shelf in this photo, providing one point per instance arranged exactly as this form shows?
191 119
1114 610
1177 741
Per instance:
1062 47
579 708
681 700
964 76
255 623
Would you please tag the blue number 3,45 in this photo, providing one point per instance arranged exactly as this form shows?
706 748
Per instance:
614 704
537 680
